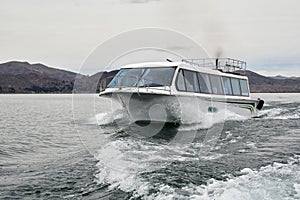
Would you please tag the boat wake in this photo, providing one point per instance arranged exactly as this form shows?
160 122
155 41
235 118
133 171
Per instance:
133 159
146 168
276 181
281 111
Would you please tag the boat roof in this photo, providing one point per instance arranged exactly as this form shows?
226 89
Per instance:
152 64
183 65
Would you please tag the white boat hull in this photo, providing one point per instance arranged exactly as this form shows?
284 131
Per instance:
181 109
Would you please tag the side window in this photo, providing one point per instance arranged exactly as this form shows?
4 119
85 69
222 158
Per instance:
204 83
216 84
180 81
191 81
235 87
227 85
244 87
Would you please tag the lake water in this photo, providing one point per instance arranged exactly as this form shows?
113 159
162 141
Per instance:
59 146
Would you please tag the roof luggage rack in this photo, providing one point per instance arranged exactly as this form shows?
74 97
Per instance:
227 65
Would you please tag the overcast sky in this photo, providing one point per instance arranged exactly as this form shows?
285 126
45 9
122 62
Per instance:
265 33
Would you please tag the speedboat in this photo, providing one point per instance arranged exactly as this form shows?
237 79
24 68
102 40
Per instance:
191 90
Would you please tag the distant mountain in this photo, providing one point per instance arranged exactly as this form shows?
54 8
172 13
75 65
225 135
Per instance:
279 77
259 83
22 77
283 77
24 68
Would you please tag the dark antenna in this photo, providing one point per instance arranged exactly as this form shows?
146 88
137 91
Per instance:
217 63
169 60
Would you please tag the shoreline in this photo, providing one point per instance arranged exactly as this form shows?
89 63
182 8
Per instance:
252 93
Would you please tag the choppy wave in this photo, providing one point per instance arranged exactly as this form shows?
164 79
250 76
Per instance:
276 181
121 162
105 118
280 113
42 157
132 158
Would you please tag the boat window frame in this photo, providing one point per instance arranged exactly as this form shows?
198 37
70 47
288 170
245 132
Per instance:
176 81
210 88
142 74
239 86
171 81
248 89
230 85
125 76
220 80
185 79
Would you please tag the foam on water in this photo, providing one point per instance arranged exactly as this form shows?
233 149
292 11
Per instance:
42 158
297 189
271 112
121 162
289 116
279 113
232 116
105 118
120 172
130 158
213 125
277 181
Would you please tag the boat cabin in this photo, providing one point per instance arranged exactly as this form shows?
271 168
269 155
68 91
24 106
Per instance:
217 77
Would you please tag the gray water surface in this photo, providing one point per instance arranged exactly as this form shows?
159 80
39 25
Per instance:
51 148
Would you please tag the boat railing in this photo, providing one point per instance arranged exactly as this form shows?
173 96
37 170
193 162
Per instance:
136 80
228 65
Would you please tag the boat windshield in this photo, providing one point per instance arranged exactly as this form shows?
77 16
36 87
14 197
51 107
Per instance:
143 77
